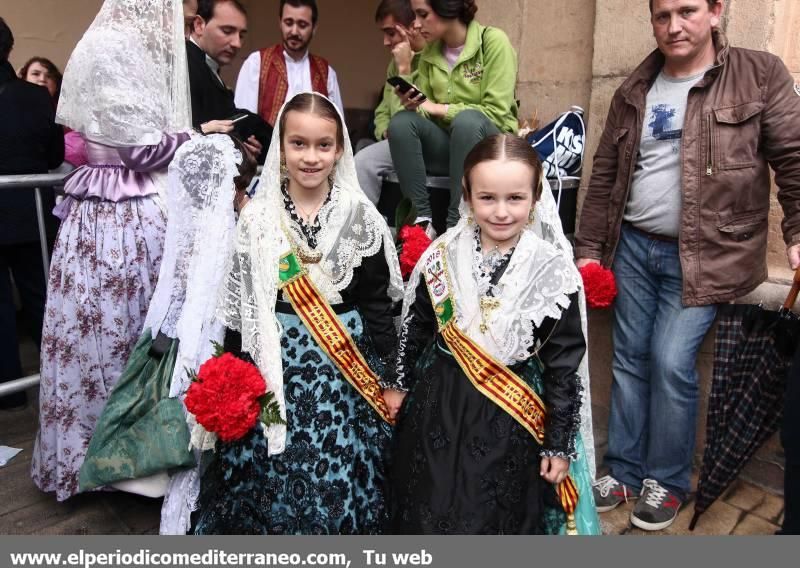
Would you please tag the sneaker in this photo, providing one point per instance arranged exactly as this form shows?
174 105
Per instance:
608 493
657 507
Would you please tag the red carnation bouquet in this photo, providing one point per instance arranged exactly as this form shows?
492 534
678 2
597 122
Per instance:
228 395
413 242
599 285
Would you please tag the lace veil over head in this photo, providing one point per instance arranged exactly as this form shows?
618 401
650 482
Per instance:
536 284
351 230
199 242
127 81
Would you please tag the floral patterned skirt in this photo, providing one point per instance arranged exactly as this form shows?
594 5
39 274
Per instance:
102 276
330 478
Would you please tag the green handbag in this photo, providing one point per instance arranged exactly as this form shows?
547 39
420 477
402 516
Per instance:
142 431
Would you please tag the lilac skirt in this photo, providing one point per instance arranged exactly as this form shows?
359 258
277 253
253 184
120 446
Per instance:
102 275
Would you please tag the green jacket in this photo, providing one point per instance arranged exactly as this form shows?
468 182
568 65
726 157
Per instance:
483 78
390 104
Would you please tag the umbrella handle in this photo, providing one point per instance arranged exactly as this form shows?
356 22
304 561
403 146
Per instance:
693 522
792 297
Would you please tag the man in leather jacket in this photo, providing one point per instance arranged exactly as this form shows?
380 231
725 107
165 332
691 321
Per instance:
678 205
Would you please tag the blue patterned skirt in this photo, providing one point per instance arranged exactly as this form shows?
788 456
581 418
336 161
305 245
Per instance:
330 479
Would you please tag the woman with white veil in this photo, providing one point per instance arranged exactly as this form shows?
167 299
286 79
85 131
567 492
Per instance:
309 299
490 436
126 90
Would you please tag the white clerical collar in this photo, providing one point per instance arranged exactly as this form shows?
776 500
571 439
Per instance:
289 59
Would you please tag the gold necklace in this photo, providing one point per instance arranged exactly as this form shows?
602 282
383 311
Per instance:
314 211
304 252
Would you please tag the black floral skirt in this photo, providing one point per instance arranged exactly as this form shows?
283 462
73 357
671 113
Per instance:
329 480
460 464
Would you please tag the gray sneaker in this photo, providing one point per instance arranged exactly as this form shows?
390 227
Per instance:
657 507
608 493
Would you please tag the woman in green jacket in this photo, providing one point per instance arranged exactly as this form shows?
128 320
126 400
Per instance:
467 73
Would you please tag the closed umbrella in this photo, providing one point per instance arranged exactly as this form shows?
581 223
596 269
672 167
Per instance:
752 354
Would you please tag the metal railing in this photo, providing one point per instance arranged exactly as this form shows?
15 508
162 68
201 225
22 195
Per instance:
35 182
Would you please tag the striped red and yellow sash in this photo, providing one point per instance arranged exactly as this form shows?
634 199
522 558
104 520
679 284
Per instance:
496 381
491 377
329 333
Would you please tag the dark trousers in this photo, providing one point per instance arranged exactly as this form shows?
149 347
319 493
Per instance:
420 146
24 262
790 436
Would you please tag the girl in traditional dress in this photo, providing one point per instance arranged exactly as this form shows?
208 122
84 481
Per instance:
490 356
310 295
126 90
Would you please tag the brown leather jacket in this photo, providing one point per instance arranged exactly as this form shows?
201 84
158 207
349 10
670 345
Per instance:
741 117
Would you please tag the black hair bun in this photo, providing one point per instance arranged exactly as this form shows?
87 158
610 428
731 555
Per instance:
468 11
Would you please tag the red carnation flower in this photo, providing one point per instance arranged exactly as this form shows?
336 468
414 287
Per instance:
599 284
413 242
226 397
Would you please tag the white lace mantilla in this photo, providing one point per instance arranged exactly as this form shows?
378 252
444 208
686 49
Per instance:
536 284
351 230
199 242
127 80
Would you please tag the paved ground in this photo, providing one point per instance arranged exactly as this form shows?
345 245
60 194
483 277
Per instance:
744 509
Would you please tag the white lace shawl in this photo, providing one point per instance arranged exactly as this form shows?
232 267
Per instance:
198 243
536 284
352 229
127 80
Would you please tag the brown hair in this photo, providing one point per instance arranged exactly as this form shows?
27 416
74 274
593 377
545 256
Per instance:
400 10
206 8
313 103
299 4
505 147
248 166
51 68
711 4
463 10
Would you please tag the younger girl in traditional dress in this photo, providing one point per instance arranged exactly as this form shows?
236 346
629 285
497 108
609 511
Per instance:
310 294
490 355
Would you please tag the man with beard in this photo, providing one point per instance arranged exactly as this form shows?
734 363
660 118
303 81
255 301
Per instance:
275 74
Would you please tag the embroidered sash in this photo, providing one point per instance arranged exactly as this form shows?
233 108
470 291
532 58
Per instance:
492 378
329 332
273 81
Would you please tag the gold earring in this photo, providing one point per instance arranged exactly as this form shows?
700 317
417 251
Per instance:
284 171
531 216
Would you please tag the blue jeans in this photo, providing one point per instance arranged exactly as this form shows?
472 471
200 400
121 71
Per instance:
651 429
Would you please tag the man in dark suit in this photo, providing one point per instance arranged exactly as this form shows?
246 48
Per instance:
30 143
217 33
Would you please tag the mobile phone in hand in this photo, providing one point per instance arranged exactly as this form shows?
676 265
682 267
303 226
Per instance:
245 124
404 86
